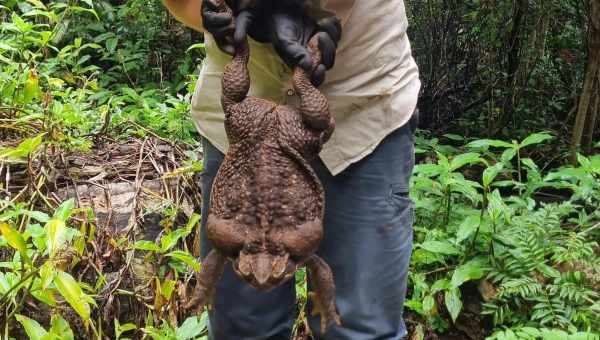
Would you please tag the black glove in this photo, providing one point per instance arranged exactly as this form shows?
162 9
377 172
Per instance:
289 29
290 35
220 24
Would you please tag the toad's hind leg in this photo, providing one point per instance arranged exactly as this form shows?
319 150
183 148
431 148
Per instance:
321 279
212 270
236 78
314 107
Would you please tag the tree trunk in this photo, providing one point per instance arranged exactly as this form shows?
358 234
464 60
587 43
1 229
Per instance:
587 109
513 63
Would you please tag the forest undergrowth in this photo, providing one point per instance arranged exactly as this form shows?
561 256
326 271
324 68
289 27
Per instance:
99 197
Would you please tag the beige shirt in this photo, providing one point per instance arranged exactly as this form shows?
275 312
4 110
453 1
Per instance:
372 89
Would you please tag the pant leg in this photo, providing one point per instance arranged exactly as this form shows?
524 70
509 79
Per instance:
239 311
368 240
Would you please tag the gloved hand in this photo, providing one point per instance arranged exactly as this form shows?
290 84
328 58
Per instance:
290 34
219 22
289 29
285 24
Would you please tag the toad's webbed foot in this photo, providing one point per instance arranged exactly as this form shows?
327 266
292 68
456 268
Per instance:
323 297
212 270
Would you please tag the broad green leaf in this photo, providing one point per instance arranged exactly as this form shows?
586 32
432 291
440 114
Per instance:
14 239
428 304
33 329
464 159
467 228
125 328
490 173
554 334
63 212
440 285
186 258
147 246
472 270
485 143
23 150
495 205
534 332
190 329
71 291
453 303
440 247
31 88
47 272
38 216
111 44
45 296
535 138
167 288
60 327
55 235
20 24
170 240
548 271
508 155
192 222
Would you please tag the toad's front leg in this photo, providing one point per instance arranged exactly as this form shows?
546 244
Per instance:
212 270
321 279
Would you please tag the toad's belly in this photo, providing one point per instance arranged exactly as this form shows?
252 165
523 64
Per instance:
262 186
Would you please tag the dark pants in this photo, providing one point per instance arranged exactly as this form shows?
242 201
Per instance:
367 243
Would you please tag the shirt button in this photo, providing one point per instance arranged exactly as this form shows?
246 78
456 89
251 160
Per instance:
291 92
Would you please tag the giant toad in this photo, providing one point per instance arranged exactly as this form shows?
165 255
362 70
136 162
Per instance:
267 204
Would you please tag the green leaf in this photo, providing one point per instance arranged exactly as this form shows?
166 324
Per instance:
453 303
535 138
14 238
147 246
190 329
47 273
486 143
60 327
38 216
23 150
170 240
428 304
192 222
490 173
554 334
464 159
186 258
467 228
56 232
167 288
472 270
548 271
71 291
33 329
111 44
439 285
31 88
508 155
63 212
440 247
